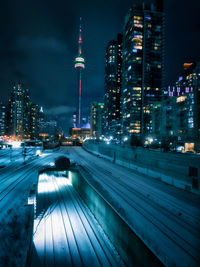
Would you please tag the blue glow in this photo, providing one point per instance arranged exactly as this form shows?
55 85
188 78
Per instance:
148 17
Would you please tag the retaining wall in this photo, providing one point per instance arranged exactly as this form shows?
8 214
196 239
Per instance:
180 170
132 250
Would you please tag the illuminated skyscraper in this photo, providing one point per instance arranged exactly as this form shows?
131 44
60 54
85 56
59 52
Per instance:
33 121
96 119
19 111
177 118
143 53
2 119
113 87
23 115
79 65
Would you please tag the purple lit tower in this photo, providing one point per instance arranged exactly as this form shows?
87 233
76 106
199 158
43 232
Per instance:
79 65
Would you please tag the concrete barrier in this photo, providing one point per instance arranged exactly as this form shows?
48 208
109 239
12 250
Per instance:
179 170
132 250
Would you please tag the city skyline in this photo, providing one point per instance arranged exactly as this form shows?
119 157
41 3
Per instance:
99 133
40 52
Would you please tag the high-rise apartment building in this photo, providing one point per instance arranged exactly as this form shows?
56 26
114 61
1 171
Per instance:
178 116
112 98
22 116
2 119
142 80
19 114
46 127
33 121
96 119
8 121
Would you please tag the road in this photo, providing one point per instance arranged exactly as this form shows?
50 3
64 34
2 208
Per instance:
165 218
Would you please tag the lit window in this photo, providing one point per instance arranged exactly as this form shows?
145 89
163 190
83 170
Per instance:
138 47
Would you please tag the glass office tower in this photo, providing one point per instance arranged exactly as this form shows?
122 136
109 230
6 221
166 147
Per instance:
143 77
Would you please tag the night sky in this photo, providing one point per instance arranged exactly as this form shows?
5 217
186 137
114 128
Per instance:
39 43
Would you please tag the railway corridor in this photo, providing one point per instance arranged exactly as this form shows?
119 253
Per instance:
65 232
164 217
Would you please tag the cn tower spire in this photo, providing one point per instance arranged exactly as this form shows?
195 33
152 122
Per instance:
79 65
80 38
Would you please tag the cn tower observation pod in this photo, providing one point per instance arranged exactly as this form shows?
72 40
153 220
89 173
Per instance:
79 62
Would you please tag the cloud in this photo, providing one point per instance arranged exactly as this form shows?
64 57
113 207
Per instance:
60 110
48 43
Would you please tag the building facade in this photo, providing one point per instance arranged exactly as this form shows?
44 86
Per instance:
112 97
22 116
2 119
79 133
19 113
33 121
143 77
96 119
178 116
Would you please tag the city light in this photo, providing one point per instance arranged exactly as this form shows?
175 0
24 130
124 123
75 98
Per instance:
38 152
123 187
81 65
15 144
150 139
80 59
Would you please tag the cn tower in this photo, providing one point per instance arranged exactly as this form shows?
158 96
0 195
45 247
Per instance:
79 65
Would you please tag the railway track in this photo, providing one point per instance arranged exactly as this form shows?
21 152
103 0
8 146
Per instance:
132 181
162 225
176 209
168 224
9 182
67 233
